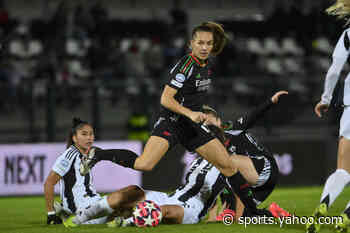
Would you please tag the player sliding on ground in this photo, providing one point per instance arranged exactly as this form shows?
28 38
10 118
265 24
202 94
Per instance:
191 202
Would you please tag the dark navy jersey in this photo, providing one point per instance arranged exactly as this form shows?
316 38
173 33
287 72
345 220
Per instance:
239 141
191 81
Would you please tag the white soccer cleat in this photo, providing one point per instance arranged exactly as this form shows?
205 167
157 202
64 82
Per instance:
87 162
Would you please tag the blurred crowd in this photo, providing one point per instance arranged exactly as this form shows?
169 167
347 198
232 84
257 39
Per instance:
82 45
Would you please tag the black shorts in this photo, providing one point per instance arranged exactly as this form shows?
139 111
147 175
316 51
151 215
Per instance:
264 167
182 131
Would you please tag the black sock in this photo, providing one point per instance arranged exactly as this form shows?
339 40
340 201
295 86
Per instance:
243 190
125 158
326 200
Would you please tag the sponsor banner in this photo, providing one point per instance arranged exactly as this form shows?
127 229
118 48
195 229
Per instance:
24 168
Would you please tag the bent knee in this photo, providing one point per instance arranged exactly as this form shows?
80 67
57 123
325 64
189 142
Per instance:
228 169
142 165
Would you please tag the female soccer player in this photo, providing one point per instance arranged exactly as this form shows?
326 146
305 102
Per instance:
255 163
191 201
336 181
77 191
181 118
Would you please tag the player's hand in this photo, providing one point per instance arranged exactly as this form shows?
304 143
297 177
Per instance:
53 219
321 108
198 117
277 95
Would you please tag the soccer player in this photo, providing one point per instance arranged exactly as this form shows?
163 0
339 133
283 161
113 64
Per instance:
256 164
191 202
341 177
76 191
180 120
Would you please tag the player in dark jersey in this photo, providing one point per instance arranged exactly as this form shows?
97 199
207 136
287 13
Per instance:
255 162
181 119
191 201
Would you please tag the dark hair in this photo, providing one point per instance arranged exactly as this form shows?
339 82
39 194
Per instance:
217 132
77 124
220 37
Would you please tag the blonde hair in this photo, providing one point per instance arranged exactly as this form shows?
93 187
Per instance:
340 9
220 37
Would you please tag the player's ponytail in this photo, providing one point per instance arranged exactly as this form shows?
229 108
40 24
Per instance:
341 9
220 37
77 123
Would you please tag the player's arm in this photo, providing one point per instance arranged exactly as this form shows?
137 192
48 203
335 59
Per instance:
247 121
339 57
239 207
49 188
168 101
213 212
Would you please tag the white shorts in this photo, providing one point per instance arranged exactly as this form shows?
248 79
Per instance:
82 204
344 129
192 207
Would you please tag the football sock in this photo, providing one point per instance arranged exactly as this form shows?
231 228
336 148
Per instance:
334 186
97 209
125 158
243 190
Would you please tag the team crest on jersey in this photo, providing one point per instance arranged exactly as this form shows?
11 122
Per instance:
180 77
64 163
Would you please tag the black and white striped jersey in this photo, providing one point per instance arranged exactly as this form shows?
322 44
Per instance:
339 57
239 141
203 182
191 81
74 188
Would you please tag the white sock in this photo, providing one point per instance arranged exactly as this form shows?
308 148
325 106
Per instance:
96 210
335 185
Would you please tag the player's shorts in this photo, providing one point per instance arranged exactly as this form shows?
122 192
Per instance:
182 130
268 172
191 207
344 129
82 204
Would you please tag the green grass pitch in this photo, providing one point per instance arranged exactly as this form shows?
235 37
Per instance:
28 215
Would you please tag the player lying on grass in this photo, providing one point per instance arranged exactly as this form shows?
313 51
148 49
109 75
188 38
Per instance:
204 182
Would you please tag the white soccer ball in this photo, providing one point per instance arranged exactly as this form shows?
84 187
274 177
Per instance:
147 214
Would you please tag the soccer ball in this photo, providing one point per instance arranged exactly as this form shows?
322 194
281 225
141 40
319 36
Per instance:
147 214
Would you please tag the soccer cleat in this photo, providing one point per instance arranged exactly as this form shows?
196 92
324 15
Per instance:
224 213
342 227
320 211
68 222
117 222
277 211
87 162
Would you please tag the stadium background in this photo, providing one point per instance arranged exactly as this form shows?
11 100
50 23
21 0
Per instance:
106 61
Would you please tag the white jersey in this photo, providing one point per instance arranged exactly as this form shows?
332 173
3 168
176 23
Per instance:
76 191
203 184
340 56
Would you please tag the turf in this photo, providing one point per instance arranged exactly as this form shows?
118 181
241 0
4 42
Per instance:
28 215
